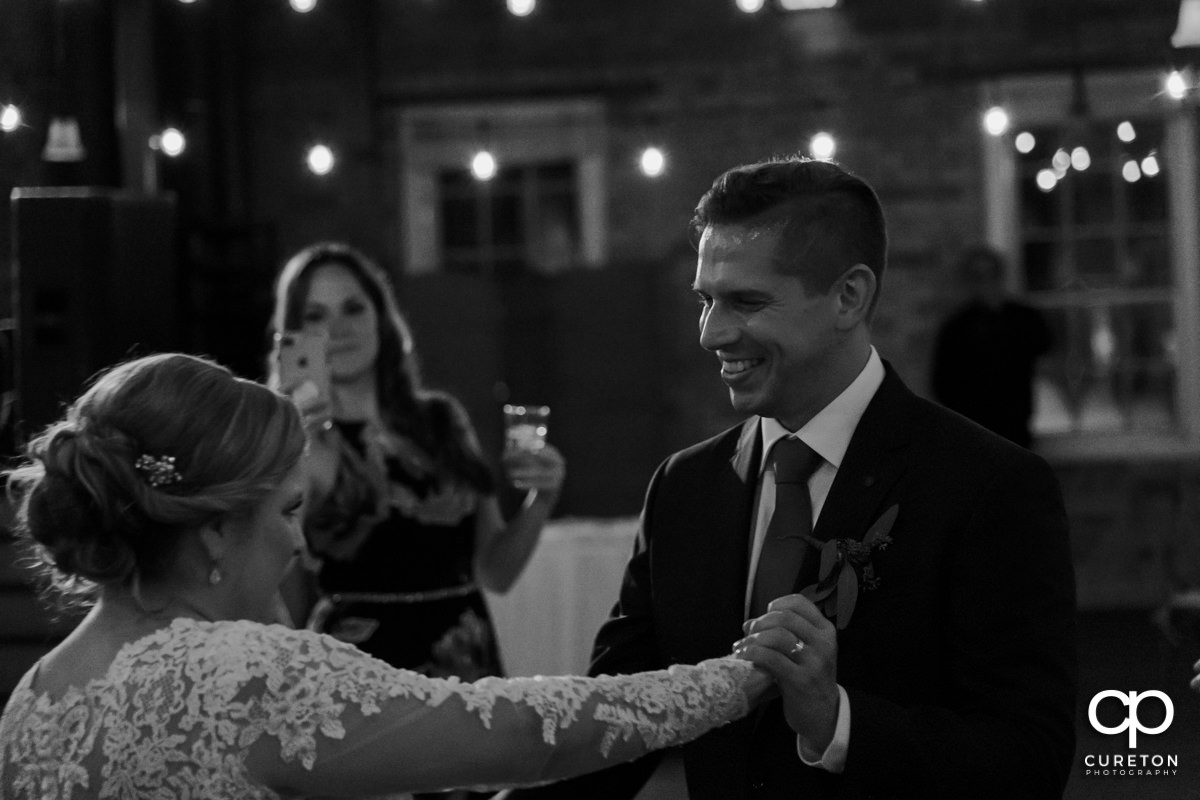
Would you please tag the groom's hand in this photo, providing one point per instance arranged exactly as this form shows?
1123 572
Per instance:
797 645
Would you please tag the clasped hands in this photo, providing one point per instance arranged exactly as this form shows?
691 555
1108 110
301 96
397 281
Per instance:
797 646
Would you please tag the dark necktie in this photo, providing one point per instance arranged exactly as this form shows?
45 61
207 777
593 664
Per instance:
784 546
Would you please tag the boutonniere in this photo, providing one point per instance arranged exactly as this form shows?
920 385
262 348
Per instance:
846 569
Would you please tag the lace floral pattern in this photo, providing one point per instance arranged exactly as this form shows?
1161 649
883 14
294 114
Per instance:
179 711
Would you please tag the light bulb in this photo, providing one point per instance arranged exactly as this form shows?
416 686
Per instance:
822 146
483 166
10 118
320 159
653 162
995 121
172 142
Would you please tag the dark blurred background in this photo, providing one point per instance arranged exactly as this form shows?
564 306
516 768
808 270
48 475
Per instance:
1061 132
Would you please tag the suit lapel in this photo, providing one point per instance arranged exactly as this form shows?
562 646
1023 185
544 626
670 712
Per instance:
702 560
874 461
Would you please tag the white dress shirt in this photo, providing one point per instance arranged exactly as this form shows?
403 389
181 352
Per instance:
828 434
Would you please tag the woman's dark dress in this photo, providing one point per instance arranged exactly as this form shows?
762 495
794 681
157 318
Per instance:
406 593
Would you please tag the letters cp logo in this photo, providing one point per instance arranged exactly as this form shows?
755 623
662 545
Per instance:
1132 723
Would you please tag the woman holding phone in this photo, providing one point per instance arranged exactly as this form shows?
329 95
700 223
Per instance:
402 521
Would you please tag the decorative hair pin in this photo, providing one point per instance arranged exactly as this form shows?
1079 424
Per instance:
158 471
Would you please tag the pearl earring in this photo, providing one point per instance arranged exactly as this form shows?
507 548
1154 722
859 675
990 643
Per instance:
215 576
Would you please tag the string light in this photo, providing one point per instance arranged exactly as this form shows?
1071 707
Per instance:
653 162
1150 166
822 146
1081 159
483 166
1130 171
1025 142
10 118
171 142
521 8
1125 131
320 159
1176 85
750 6
806 5
302 6
1046 180
995 121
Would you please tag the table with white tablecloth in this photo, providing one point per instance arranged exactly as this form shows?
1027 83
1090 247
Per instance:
547 621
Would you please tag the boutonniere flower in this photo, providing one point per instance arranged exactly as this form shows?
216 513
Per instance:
846 569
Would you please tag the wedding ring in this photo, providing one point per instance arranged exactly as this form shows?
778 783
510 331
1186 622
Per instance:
797 648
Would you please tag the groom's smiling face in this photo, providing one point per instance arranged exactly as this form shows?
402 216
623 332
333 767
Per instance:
777 341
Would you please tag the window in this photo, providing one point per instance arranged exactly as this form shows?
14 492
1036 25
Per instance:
1095 211
542 212
525 219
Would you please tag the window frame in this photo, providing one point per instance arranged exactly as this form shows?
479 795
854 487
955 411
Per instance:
1046 99
434 137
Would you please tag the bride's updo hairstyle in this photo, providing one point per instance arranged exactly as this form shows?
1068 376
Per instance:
155 447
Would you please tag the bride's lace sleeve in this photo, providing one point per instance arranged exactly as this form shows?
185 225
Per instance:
318 716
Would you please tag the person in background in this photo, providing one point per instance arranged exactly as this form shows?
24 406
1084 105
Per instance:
170 495
986 351
915 568
403 524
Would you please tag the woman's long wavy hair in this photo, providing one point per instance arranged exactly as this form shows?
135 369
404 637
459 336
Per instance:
93 517
432 419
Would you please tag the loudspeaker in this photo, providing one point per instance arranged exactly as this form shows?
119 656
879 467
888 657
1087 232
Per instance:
95 276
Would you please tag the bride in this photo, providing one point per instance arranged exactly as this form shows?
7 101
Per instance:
170 495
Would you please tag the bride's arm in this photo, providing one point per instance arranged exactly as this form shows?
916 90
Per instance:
356 726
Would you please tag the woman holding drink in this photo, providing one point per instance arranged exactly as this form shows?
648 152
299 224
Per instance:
403 522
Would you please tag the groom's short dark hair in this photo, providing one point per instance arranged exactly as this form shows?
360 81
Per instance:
831 219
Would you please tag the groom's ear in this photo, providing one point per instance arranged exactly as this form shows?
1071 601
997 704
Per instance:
855 290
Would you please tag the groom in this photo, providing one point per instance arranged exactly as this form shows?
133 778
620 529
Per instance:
928 650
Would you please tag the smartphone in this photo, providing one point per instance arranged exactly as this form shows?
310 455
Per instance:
301 358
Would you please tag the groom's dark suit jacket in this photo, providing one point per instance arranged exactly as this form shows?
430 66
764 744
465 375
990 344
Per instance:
959 666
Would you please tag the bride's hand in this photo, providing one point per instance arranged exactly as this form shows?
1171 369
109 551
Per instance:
760 686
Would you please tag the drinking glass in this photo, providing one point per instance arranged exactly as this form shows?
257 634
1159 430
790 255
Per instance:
525 427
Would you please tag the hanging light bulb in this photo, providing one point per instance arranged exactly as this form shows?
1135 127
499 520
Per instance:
1176 85
807 5
1081 159
751 6
1150 166
653 162
320 159
172 142
521 8
10 118
822 146
302 6
483 166
63 141
995 121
